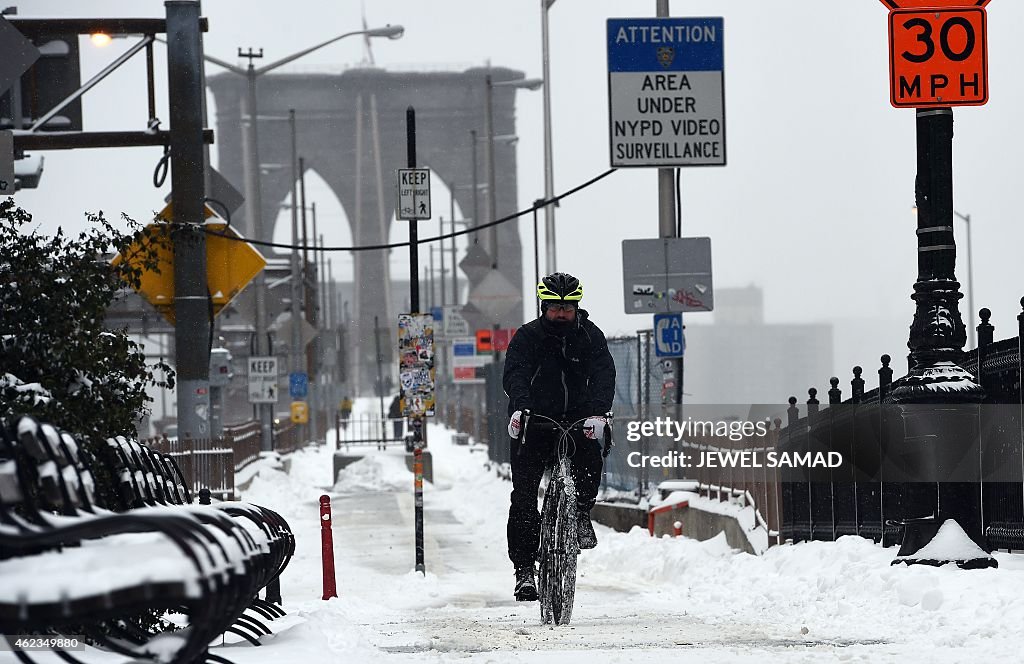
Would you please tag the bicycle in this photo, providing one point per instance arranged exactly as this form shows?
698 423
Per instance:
559 543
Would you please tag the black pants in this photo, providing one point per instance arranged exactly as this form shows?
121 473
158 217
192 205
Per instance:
527 471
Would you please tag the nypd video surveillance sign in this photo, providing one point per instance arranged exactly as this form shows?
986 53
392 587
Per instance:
666 92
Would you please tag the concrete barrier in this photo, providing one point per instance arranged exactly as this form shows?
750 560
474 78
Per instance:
341 460
699 525
619 516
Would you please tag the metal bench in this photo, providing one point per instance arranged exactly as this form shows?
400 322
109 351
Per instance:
71 566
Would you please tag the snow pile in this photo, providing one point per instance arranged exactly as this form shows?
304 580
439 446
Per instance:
744 515
639 599
374 473
950 543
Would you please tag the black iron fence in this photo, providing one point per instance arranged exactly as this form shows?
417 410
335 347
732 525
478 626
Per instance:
888 476
367 429
211 463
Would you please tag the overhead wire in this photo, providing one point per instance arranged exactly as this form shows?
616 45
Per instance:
444 236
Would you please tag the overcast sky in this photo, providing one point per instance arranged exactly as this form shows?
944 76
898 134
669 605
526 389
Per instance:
814 205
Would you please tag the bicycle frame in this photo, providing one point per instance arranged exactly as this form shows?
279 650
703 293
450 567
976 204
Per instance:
559 543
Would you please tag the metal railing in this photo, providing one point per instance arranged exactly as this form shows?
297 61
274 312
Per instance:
367 429
206 463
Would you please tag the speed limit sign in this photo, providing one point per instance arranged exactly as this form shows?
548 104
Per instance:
938 56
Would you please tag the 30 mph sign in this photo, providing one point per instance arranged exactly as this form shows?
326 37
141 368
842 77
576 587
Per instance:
937 56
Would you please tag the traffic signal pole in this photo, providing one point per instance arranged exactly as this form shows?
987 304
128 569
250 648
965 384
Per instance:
192 309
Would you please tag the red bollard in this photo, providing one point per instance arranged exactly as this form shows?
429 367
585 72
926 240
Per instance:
327 544
677 529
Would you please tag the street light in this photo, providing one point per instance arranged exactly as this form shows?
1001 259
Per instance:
549 178
971 330
250 148
523 83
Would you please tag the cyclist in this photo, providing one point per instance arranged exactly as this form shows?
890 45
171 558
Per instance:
559 366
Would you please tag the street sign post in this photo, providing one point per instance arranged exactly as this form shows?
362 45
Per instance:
666 92
6 163
909 4
298 385
454 324
467 365
262 379
669 340
663 275
299 412
17 54
938 56
413 193
230 264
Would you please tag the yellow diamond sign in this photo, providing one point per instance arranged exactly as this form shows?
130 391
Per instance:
231 263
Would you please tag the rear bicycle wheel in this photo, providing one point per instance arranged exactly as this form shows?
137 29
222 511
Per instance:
558 551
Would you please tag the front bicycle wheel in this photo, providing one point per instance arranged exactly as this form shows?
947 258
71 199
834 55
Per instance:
559 547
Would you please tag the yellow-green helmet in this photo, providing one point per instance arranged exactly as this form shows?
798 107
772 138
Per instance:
560 286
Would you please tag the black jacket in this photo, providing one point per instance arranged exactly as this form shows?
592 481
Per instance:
568 376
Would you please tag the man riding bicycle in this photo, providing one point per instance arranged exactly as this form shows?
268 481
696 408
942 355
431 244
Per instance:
557 366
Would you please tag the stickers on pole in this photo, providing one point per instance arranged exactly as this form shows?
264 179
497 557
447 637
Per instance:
416 363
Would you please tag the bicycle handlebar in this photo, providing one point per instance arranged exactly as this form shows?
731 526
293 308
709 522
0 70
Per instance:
564 427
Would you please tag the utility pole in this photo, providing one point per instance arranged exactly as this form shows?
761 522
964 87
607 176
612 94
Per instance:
297 365
492 203
254 213
308 283
191 297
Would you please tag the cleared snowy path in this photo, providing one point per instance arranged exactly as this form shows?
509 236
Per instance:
639 599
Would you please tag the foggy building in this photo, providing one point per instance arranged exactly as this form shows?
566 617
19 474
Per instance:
740 359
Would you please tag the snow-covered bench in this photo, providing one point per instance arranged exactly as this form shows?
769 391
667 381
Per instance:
69 566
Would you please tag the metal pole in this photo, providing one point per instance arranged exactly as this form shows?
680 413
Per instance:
414 268
254 216
536 254
440 226
296 279
549 177
307 300
380 361
492 205
192 328
417 466
667 226
476 205
455 265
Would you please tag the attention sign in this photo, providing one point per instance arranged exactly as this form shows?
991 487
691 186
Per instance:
666 92
938 56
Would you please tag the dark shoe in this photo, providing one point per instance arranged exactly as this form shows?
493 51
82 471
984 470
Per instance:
526 586
585 530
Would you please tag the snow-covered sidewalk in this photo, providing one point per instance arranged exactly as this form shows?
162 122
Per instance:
639 599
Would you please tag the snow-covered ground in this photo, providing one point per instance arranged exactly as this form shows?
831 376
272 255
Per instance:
639 599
